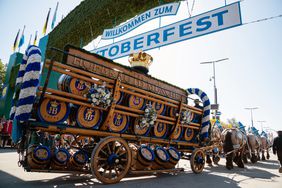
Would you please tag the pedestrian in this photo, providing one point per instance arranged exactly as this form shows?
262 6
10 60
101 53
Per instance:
277 148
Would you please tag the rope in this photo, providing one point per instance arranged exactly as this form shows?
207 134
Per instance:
263 19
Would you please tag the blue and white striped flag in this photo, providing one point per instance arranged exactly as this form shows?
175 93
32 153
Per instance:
22 38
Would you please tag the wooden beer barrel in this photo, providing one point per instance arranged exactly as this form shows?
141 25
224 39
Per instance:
161 159
189 134
174 157
138 130
159 107
38 156
172 112
53 111
119 123
77 160
160 130
88 117
177 133
72 85
60 158
136 102
145 156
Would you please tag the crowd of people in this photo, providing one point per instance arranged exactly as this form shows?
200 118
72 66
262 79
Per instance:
5 132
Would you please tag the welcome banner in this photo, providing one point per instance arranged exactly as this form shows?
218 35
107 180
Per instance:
213 21
163 10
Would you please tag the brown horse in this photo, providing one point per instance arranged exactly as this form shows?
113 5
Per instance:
265 145
254 147
234 142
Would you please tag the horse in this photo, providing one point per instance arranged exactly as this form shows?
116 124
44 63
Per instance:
265 145
254 143
234 143
215 139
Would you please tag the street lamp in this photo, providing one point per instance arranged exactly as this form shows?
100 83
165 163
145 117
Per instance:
261 124
214 85
251 109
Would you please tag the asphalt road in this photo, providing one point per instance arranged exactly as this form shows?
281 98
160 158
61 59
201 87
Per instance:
262 174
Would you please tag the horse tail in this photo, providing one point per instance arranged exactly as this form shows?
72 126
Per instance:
228 145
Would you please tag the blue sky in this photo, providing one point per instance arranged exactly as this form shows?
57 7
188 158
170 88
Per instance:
250 78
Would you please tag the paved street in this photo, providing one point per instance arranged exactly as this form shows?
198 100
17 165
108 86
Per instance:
262 174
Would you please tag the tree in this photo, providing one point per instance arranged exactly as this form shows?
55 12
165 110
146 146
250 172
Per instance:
2 74
233 122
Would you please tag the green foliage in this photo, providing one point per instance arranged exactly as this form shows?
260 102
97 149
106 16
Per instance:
233 122
88 20
2 75
2 72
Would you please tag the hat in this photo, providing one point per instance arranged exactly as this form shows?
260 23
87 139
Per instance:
196 101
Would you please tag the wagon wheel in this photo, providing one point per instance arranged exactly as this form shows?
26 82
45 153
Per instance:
110 160
197 161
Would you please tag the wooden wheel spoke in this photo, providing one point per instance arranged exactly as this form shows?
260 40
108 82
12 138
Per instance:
103 165
116 171
124 152
121 167
123 160
114 147
100 158
109 149
104 152
104 172
110 173
118 150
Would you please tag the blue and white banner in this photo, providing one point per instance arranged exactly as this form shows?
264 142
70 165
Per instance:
215 20
163 10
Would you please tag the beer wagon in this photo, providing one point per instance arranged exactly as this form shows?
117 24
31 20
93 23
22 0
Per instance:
109 120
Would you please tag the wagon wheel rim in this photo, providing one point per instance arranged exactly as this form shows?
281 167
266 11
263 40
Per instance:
197 161
111 160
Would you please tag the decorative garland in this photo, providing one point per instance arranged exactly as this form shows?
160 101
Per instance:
100 95
186 117
206 115
149 117
28 82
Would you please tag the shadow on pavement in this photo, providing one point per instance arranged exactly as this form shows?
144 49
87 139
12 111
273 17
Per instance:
269 164
7 150
184 179
250 171
164 180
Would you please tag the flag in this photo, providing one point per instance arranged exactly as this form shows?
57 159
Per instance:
22 38
16 40
46 22
55 16
29 40
35 38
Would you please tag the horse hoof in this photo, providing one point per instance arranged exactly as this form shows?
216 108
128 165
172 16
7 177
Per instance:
241 166
209 164
263 159
280 170
229 168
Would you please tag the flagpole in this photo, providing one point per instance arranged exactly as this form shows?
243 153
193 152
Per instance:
29 40
35 38
16 40
54 17
21 40
46 22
